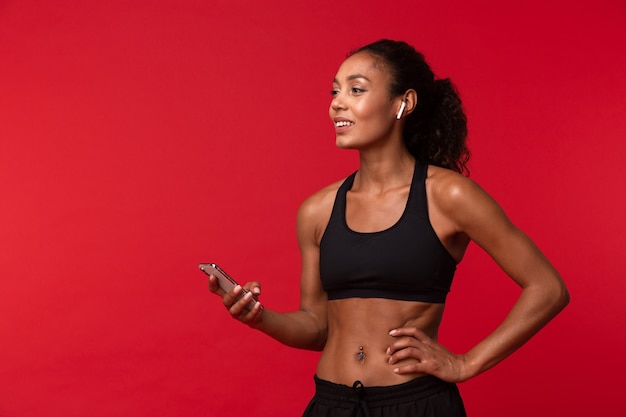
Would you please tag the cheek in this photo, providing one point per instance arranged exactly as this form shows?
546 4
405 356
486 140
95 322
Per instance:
363 110
372 108
372 113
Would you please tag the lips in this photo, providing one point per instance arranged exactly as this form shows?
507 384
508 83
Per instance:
342 123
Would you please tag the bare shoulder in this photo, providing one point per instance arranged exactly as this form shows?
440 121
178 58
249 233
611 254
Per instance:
321 200
459 197
448 187
314 212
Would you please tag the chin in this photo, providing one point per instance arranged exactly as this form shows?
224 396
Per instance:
343 143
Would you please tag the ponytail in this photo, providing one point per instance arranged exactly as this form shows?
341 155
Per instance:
436 131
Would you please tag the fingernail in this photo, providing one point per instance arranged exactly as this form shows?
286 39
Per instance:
256 290
392 332
237 288
388 351
396 370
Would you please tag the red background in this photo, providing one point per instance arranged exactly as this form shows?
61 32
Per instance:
139 138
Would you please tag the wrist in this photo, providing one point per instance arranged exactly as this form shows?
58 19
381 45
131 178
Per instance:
469 367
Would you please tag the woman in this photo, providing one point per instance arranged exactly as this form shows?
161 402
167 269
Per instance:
379 250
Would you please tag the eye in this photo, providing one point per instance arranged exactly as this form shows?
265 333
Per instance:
334 92
357 90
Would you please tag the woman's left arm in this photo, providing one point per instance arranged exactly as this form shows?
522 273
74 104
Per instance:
475 214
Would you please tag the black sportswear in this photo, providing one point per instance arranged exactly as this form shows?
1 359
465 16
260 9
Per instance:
404 262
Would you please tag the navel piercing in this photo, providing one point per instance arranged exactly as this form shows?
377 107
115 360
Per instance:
361 356
401 110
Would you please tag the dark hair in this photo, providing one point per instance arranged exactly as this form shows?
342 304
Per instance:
436 131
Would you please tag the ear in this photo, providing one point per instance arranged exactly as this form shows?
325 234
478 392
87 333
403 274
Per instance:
410 98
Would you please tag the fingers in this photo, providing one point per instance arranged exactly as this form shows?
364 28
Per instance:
413 368
243 305
236 300
424 355
214 286
254 287
407 348
400 351
410 343
407 337
251 313
241 302
409 331
410 348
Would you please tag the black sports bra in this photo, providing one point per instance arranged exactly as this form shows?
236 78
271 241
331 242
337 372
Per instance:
404 262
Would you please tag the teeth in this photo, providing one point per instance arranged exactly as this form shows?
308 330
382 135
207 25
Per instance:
343 123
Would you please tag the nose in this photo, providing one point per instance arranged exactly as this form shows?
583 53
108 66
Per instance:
337 103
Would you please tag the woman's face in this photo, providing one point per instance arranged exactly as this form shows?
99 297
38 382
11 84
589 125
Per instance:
362 110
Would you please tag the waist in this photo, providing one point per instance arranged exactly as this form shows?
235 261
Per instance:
358 338
367 363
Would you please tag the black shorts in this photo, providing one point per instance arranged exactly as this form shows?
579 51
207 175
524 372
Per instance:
426 396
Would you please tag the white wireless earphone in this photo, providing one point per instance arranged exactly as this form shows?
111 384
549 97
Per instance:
401 110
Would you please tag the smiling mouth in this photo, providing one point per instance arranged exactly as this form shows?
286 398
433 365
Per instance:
343 123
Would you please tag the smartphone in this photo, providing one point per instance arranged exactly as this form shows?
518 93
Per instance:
225 282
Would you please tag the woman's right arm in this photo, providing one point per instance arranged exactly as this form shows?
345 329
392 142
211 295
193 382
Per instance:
307 327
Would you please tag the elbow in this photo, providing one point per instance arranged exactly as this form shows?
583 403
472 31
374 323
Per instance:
320 343
560 297
316 332
552 297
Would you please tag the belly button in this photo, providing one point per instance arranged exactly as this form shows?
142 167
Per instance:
361 355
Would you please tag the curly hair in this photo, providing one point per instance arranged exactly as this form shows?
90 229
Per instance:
436 131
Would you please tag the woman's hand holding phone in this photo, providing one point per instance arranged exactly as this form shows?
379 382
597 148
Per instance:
241 302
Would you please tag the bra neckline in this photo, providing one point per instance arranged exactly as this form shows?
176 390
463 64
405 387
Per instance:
348 186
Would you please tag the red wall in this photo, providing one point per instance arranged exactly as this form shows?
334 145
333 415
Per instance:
139 138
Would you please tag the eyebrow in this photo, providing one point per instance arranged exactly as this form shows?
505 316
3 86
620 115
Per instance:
354 77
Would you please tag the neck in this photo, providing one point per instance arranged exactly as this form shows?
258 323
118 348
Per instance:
381 171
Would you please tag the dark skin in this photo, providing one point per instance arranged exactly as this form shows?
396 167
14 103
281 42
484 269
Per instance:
399 338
